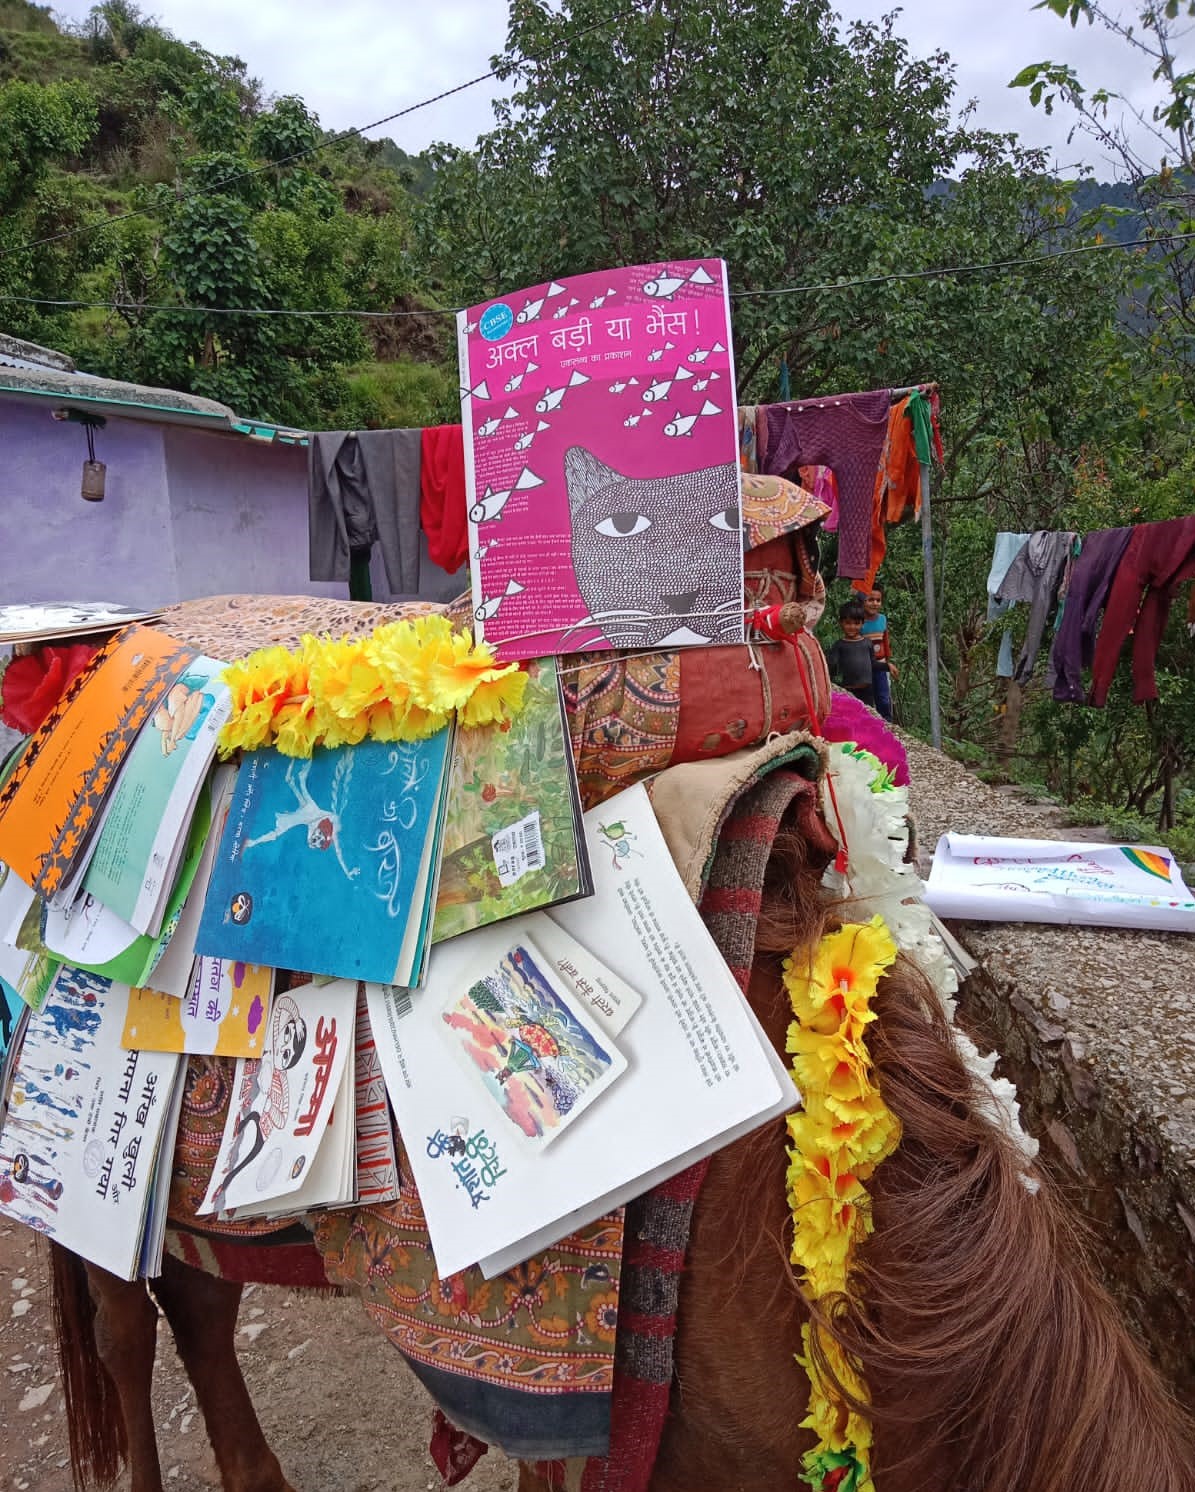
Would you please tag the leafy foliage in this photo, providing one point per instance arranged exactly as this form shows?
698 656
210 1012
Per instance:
814 157
162 180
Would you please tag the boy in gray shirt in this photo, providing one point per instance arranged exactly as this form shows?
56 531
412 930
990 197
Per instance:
849 658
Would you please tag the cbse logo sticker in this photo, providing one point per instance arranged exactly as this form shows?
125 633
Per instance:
496 321
241 908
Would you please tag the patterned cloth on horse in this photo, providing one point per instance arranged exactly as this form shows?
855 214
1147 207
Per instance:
721 820
528 1361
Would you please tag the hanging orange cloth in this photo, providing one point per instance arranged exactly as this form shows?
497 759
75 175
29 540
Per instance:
898 484
900 479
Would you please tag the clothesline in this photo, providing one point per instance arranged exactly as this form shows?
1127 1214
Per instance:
1130 575
867 426
871 463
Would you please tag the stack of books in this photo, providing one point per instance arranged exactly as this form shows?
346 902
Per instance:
148 899
87 1143
430 926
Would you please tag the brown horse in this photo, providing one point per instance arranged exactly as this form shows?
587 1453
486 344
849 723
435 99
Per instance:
994 1362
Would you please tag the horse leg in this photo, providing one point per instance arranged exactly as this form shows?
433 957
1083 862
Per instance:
126 1335
202 1311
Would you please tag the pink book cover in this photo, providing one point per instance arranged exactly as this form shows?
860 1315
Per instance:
601 462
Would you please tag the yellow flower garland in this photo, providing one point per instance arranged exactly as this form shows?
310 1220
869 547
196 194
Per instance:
839 1137
402 683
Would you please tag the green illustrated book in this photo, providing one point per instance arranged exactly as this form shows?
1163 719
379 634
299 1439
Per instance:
513 836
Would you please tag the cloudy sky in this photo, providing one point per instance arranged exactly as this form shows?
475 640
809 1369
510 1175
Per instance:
358 60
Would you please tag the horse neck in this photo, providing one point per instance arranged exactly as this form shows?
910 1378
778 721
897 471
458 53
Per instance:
993 1359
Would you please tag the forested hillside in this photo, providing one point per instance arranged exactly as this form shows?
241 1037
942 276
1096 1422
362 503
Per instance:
158 174
141 175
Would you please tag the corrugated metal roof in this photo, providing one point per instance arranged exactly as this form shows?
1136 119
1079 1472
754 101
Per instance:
15 352
84 392
8 361
33 373
131 401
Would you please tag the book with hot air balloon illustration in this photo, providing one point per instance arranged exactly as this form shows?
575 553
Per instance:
540 1057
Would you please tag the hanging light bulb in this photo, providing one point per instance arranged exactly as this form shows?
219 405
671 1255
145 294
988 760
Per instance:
94 472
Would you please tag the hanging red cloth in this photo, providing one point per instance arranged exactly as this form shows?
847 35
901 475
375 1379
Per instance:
34 683
1158 559
443 506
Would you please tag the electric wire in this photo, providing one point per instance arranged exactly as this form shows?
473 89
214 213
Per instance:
943 272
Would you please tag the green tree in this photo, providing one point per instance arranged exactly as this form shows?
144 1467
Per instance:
825 159
248 224
40 127
803 155
1153 152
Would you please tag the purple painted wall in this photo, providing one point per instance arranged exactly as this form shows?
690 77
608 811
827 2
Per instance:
186 513
56 547
238 512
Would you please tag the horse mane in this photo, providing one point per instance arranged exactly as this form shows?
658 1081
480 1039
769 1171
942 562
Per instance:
994 1360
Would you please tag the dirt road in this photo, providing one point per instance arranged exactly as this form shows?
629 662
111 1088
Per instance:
336 1401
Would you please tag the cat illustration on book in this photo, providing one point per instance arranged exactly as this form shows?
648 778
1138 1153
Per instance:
658 561
322 825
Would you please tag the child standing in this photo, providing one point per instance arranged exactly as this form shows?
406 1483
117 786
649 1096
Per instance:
850 658
875 629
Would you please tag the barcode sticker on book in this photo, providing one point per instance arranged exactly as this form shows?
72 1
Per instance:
518 849
400 1000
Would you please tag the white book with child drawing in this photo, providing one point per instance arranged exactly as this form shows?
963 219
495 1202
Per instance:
698 1070
283 1101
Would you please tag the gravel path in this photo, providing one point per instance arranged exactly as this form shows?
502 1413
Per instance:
1126 999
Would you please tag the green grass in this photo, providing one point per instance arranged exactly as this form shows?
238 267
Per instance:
400 395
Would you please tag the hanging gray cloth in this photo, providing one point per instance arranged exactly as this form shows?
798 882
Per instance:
362 489
1035 576
1008 546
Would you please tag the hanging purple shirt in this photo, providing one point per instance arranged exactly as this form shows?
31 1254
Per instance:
845 433
1091 580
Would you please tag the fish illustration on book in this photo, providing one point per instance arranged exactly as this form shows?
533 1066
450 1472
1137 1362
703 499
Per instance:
682 424
516 382
491 503
660 389
664 286
532 308
489 608
553 398
524 441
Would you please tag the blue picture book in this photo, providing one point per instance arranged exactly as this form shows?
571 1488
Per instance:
329 866
12 1010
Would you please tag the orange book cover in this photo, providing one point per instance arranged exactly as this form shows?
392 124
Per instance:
52 798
